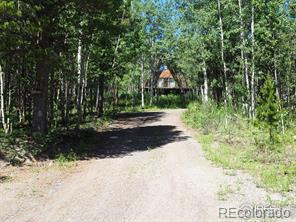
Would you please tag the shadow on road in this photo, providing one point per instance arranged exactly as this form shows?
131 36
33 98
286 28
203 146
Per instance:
125 141
127 135
136 119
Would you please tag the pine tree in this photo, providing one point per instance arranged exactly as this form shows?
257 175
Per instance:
268 114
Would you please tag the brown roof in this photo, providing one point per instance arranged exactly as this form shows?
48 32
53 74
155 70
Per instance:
166 74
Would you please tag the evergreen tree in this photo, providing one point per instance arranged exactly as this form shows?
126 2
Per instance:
268 108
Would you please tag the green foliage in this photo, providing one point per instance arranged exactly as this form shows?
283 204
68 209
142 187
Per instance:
171 101
61 144
4 179
123 41
268 111
64 159
242 145
18 146
207 117
130 103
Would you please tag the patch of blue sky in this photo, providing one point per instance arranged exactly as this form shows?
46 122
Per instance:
288 9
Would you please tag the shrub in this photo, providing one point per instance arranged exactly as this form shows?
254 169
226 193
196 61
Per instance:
205 116
268 115
171 101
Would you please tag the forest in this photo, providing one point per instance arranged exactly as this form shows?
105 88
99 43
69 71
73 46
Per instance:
66 62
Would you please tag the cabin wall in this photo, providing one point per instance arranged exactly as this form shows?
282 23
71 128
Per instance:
166 83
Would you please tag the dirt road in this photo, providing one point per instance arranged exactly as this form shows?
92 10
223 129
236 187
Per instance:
147 168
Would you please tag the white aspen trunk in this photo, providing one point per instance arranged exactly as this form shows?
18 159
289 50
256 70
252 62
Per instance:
288 80
244 60
79 61
2 102
2 112
206 87
84 79
67 97
151 88
248 87
253 64
79 81
8 123
278 95
276 80
242 37
202 94
142 84
97 97
226 98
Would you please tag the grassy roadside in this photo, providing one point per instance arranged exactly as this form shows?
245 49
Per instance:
233 142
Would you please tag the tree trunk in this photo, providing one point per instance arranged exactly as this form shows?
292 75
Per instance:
62 101
278 95
5 125
82 66
67 98
151 87
226 98
206 87
22 93
114 91
79 82
277 91
253 64
85 85
244 60
142 85
51 100
100 97
40 93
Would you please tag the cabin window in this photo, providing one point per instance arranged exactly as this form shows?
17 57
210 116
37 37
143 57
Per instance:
171 83
160 83
165 83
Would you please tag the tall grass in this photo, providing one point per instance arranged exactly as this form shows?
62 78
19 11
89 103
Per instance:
232 141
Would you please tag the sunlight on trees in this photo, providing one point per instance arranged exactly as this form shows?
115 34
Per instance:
64 61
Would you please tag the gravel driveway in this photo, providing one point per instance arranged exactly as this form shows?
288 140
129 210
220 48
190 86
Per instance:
146 168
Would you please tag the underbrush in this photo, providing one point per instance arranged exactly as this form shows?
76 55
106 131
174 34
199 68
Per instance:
61 144
170 101
234 142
